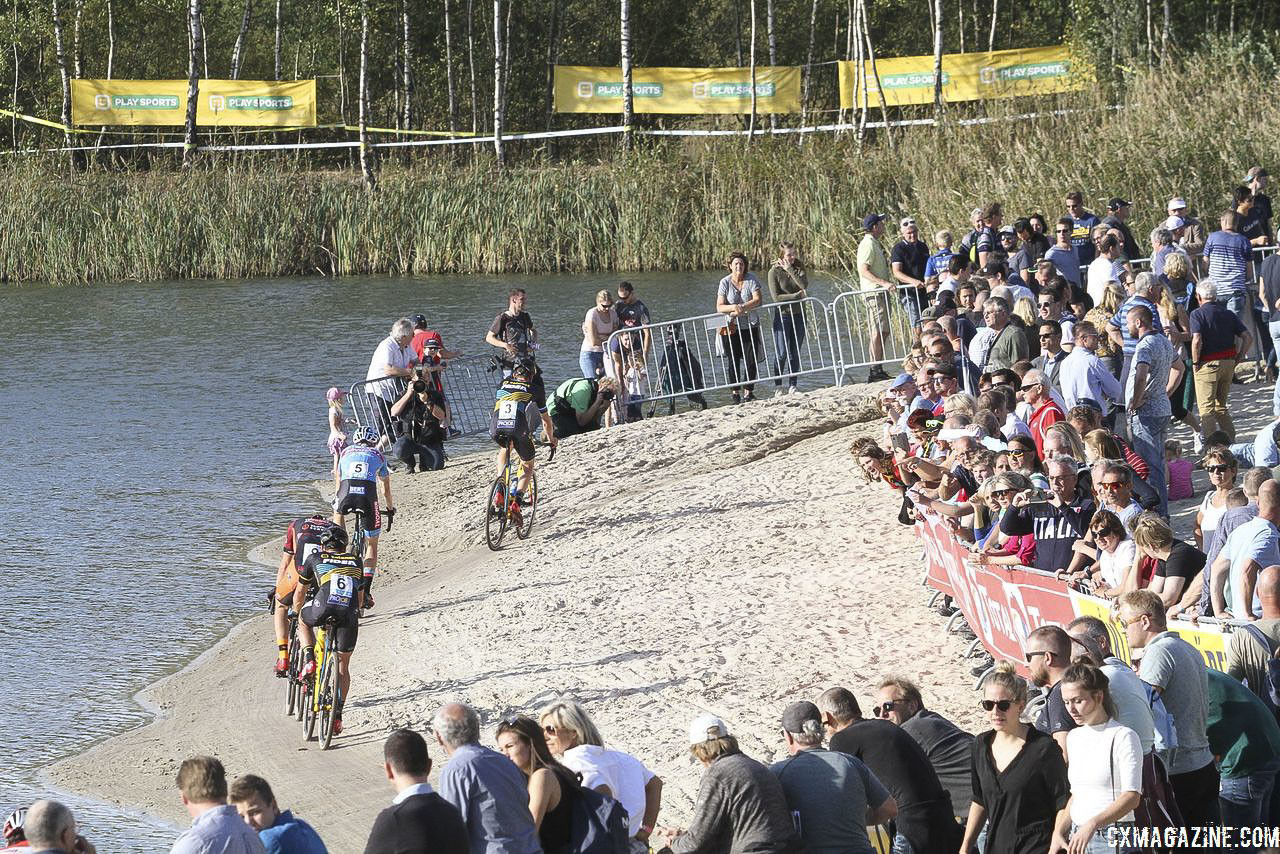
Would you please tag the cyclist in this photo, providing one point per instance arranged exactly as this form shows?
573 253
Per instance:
300 540
15 838
515 419
360 469
338 584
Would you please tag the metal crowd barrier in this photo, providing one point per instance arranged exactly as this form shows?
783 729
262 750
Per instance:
468 391
859 318
777 343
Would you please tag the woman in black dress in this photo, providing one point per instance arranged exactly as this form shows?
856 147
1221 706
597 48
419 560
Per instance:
1019 776
551 785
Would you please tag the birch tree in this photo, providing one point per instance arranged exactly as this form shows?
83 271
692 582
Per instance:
366 150
407 70
448 70
237 51
751 124
628 105
499 101
195 26
63 73
277 40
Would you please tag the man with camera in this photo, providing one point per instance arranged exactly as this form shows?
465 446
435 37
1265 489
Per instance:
422 413
578 403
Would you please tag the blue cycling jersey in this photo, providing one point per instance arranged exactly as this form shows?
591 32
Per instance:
360 462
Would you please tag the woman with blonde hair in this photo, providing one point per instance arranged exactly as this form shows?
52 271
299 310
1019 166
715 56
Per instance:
1025 310
597 326
1221 466
551 784
1177 326
1100 316
573 736
1178 564
960 403
1062 440
1019 775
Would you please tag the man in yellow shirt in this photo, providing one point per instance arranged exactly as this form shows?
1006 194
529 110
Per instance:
877 288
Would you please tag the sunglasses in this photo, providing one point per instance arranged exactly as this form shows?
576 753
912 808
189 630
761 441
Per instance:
1045 336
1002 705
1031 655
1111 484
1014 452
883 710
1217 469
1062 230
1003 491
549 729
1033 385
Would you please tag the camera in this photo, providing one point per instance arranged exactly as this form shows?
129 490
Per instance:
608 395
494 364
419 386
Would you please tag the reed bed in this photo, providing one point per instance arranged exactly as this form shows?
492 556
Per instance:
667 205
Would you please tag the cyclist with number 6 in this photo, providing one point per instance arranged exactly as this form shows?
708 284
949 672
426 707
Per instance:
514 420
337 583
360 469
300 540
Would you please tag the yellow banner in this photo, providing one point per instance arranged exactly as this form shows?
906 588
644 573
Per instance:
222 103
968 76
1211 643
592 89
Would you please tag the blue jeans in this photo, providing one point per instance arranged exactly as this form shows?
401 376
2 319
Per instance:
901 845
1246 801
1099 844
788 337
910 299
1274 328
1243 452
591 363
1148 433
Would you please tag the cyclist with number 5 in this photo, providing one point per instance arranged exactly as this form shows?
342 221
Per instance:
360 469
514 420
337 583
300 540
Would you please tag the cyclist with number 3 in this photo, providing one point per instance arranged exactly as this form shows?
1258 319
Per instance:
337 582
360 469
514 420
302 538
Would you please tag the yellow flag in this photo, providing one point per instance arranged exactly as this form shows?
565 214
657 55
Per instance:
222 103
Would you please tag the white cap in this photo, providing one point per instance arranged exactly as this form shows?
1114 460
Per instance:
1177 203
705 728
1175 222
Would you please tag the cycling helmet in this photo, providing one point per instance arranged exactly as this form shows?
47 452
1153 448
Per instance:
333 538
524 365
364 435
335 393
13 832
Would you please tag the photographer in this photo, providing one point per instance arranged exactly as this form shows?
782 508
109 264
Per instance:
577 404
1057 520
421 411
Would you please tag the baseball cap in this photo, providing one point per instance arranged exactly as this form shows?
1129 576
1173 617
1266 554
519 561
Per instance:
1255 172
335 393
1117 203
901 380
705 728
907 221
420 321
1174 222
1177 203
1008 229
802 718
869 221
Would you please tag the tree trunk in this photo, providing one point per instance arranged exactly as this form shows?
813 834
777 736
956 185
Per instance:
111 57
553 33
938 105
871 56
1166 33
751 124
808 67
506 56
366 151
448 70
63 73
499 49
342 64
773 52
13 103
995 10
960 11
471 63
737 28
277 41
77 55
408 65
860 67
195 24
1151 42
237 52
628 104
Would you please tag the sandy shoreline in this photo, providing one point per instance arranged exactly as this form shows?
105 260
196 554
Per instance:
728 561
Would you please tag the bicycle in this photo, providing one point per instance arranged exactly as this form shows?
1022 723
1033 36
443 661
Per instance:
323 694
502 510
293 687
358 538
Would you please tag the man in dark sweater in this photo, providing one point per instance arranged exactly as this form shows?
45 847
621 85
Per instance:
949 748
418 821
926 821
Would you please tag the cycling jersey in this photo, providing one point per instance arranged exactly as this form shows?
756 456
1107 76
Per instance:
301 540
515 416
361 462
336 579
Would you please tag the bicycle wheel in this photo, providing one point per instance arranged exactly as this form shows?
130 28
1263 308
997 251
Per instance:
357 537
495 515
295 663
526 512
329 698
307 700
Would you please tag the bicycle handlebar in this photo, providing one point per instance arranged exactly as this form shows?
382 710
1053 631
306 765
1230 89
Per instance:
391 516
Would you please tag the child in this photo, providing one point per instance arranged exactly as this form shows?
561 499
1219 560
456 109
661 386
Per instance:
937 263
337 428
637 386
1179 472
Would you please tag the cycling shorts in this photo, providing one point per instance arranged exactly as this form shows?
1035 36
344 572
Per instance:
360 495
286 583
523 443
346 619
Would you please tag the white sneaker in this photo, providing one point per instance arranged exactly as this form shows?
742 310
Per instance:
1197 444
792 389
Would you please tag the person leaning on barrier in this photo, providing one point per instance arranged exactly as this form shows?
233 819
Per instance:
948 747
788 284
577 405
394 360
422 414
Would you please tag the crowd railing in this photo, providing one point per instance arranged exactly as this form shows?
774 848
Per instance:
467 383
1003 604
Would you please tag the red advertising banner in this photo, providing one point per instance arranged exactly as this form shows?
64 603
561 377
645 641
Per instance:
1003 604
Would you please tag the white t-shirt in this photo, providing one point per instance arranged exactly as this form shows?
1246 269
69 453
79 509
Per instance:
1099 274
1115 565
625 776
388 353
1106 762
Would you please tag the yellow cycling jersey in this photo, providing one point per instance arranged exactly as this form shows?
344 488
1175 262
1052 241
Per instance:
514 391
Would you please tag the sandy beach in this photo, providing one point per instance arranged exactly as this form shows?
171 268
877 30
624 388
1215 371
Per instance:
729 561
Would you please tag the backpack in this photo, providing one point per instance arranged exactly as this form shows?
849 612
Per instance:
1271 680
598 824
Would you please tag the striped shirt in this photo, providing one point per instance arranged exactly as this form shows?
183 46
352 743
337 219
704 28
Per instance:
1228 255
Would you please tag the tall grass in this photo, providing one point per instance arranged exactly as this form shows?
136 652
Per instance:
673 205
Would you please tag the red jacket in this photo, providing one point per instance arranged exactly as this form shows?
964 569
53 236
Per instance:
1045 415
